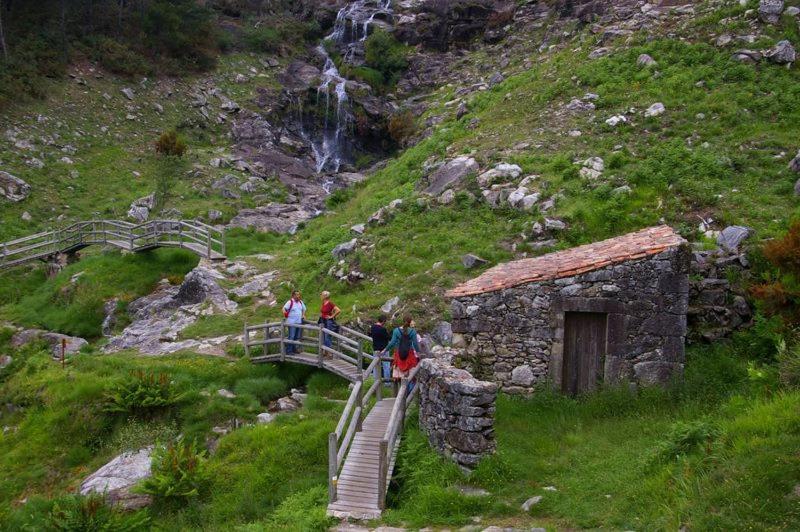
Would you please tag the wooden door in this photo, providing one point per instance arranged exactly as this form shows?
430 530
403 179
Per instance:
584 351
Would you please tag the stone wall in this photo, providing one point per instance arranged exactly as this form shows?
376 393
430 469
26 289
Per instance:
717 298
515 336
456 412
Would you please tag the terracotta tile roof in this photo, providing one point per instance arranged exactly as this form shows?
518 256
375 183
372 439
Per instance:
569 262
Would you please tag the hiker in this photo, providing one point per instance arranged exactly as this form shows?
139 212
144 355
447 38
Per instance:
327 318
405 345
380 339
294 312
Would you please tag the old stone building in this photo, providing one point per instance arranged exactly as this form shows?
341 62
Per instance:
608 312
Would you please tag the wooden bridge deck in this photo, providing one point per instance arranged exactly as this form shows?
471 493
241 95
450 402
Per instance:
358 487
339 367
363 448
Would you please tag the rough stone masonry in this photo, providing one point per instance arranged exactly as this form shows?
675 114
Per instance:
456 412
509 322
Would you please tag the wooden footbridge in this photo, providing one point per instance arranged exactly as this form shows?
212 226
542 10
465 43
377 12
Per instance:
199 238
363 448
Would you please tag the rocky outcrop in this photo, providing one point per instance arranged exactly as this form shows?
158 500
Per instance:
159 318
117 478
456 412
449 174
275 217
13 188
72 344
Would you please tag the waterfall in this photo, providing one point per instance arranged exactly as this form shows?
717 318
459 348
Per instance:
332 149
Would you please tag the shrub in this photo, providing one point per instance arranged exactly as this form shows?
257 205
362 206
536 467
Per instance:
262 39
780 294
144 394
401 126
178 473
89 514
685 438
385 54
118 57
169 143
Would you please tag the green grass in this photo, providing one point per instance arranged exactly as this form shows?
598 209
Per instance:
76 308
605 456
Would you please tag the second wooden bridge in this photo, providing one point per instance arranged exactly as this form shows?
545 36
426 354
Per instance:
195 236
363 448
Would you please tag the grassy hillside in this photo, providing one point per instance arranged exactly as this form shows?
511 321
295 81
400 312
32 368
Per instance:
717 452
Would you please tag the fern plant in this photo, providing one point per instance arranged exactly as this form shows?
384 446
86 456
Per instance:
178 472
143 394
91 514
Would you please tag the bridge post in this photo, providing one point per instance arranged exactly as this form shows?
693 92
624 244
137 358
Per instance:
379 377
333 466
208 244
320 344
246 340
383 470
282 344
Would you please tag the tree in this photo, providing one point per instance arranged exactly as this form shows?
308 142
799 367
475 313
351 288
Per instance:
3 44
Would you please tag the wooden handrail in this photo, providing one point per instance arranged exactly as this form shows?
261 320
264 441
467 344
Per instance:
153 233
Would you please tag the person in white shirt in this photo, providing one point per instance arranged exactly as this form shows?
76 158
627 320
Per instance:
295 313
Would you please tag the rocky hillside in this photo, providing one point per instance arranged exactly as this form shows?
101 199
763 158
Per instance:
385 151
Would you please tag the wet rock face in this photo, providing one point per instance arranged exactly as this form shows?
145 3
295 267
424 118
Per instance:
440 25
275 217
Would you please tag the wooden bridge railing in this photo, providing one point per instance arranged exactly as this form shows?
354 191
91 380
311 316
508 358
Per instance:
394 431
200 238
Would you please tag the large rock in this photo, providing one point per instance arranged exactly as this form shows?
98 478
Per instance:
450 173
770 10
472 261
13 188
782 53
390 305
522 376
300 76
442 334
732 237
344 249
655 372
794 164
72 344
116 479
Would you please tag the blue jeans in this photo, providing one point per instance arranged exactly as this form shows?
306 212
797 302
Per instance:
295 333
387 369
327 339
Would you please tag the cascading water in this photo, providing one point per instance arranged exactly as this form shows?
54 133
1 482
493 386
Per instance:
332 149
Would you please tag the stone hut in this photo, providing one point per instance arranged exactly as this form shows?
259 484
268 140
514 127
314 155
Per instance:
612 311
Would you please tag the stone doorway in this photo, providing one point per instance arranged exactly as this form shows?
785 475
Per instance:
585 346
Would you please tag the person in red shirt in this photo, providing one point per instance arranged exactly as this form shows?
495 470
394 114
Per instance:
327 319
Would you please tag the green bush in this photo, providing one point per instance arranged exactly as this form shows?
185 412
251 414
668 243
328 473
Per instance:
143 394
789 363
117 57
89 514
685 438
386 55
179 473
262 39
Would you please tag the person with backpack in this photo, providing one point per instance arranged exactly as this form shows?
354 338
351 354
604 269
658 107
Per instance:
327 318
294 312
380 339
405 344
